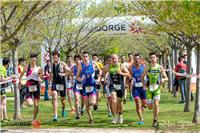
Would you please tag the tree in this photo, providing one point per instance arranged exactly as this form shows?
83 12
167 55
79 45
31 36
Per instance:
179 19
14 18
16 14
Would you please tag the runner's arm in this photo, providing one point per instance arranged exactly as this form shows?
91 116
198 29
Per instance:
40 73
131 72
106 73
124 71
143 75
67 70
78 74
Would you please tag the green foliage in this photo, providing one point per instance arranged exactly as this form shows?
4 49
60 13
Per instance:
173 16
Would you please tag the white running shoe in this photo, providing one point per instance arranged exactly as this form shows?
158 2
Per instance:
114 121
120 119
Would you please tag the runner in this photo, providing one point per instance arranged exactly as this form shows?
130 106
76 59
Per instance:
117 73
129 85
60 70
3 101
138 92
106 90
78 88
89 85
97 76
153 85
22 86
34 75
69 83
123 61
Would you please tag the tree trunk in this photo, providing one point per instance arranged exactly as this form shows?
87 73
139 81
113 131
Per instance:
188 90
170 83
51 59
196 117
173 62
17 114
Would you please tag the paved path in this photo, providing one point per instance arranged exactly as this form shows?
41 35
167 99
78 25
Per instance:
86 130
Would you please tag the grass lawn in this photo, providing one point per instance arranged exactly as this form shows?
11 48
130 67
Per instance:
171 116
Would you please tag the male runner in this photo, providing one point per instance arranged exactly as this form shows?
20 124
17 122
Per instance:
156 76
89 84
138 92
117 73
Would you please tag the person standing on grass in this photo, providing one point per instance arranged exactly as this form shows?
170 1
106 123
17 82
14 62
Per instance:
156 76
87 68
181 67
60 70
116 72
3 101
34 76
69 83
22 85
138 92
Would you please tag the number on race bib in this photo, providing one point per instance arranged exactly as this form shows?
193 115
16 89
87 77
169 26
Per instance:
69 84
139 84
32 88
89 89
117 86
79 86
153 87
60 87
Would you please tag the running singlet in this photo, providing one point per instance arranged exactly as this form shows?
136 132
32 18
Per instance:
116 79
153 76
32 78
88 74
56 78
137 74
75 72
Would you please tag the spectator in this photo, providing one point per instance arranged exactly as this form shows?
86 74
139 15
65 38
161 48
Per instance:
181 67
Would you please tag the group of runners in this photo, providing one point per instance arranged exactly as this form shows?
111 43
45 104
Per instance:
85 77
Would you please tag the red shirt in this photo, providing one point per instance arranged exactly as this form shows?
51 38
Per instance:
180 66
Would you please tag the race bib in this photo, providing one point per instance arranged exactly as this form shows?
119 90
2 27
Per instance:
96 81
153 87
138 84
89 89
60 87
68 84
32 88
117 86
79 86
